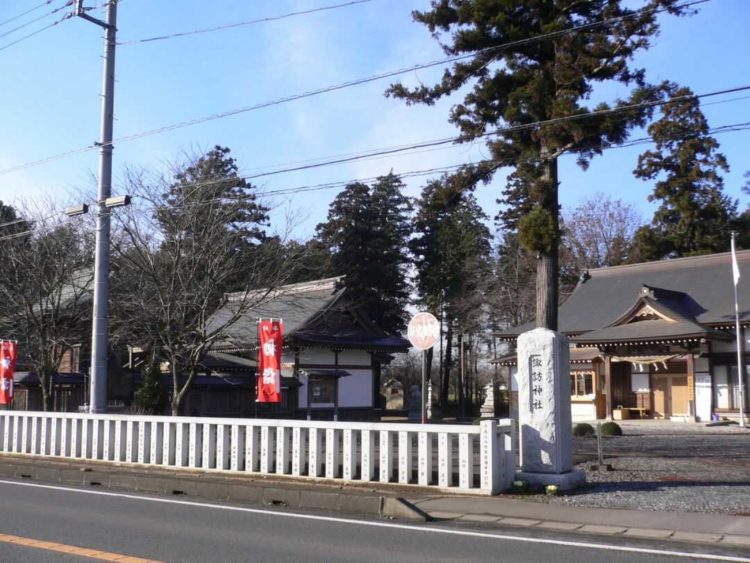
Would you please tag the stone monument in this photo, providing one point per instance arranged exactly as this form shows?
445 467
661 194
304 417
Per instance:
394 395
491 401
544 416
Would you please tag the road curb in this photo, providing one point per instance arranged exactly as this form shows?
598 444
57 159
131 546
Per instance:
401 509
252 489
271 491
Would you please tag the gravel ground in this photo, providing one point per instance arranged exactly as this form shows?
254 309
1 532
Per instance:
669 466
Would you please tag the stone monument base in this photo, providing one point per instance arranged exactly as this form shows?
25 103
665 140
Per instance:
563 481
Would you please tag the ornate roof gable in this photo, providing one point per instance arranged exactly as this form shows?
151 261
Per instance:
656 304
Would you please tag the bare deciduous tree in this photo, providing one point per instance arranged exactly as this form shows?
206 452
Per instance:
177 255
599 232
45 290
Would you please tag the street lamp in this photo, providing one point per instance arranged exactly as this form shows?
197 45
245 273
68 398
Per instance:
77 210
118 201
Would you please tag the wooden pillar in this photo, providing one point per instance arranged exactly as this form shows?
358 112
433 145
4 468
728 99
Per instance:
336 386
309 396
608 386
691 383
375 369
295 373
709 353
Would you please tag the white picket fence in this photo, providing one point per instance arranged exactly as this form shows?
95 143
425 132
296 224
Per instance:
471 458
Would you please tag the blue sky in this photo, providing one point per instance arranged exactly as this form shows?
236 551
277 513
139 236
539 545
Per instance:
50 86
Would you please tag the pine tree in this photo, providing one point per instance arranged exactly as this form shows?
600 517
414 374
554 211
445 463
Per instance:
209 185
452 259
366 234
392 212
179 250
309 260
514 80
695 216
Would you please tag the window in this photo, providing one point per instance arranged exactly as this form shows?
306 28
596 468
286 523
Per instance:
727 388
322 390
582 383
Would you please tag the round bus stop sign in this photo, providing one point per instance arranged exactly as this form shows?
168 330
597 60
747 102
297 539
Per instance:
423 331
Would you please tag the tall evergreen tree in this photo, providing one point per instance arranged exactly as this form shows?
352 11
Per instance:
695 216
516 79
392 212
210 182
452 259
309 260
366 233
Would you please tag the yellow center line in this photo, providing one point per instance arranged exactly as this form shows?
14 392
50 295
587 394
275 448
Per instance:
73 550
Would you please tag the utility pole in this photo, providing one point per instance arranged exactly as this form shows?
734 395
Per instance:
739 332
100 331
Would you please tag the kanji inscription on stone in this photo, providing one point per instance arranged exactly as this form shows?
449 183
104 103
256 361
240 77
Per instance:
535 383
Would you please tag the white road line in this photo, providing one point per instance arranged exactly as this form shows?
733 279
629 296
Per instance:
407 527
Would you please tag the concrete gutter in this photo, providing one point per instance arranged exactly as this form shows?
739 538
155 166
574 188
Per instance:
255 489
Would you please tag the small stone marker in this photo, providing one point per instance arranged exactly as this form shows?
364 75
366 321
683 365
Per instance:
491 401
394 395
544 416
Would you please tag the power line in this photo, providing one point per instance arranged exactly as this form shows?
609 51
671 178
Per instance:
33 33
240 24
415 173
374 78
31 220
16 235
22 14
341 183
16 222
341 86
384 152
28 23
435 142
502 130
381 152
632 142
729 128
306 188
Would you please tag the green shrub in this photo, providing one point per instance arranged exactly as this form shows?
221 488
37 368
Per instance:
150 396
583 429
611 429
520 487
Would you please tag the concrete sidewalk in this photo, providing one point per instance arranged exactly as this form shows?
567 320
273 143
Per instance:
721 529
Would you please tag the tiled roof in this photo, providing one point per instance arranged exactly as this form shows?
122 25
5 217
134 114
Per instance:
700 289
314 313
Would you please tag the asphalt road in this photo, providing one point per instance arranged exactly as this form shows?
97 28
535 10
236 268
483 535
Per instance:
174 529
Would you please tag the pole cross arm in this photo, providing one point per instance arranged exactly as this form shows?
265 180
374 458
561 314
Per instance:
80 12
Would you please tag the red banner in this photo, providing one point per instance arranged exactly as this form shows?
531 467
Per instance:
271 335
7 365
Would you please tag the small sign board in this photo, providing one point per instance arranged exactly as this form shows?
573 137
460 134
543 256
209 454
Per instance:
423 331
